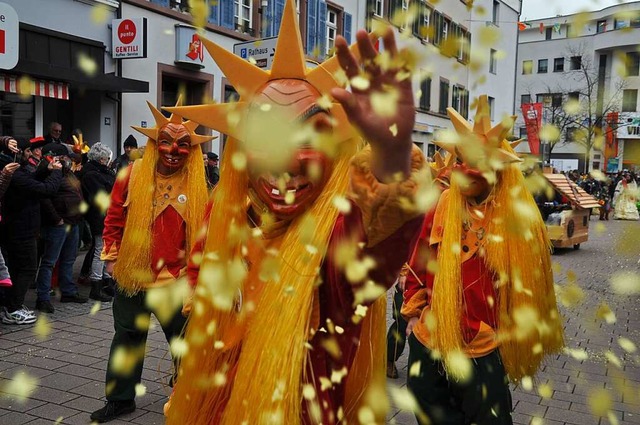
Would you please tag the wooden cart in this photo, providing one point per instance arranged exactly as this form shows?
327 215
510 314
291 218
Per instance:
567 217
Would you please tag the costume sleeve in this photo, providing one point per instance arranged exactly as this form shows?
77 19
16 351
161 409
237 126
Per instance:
116 217
383 205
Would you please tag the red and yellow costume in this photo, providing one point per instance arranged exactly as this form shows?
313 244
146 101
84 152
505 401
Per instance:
277 331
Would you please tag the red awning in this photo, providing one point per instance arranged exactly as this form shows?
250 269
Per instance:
53 89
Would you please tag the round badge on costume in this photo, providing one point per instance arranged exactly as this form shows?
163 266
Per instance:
182 198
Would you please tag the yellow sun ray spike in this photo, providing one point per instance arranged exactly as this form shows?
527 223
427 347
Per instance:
219 116
161 121
286 64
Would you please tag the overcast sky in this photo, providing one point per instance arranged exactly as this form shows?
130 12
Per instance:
535 9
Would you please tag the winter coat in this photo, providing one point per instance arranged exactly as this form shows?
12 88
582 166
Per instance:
65 204
21 206
96 178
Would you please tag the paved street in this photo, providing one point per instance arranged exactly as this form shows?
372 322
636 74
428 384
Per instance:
69 364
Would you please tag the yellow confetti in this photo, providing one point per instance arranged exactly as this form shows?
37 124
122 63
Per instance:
598 175
571 295
125 359
627 345
142 321
218 345
239 161
87 64
604 312
537 421
404 399
324 102
83 207
599 401
613 359
549 132
366 415
394 129
342 204
179 347
414 370
527 383
625 283
325 383
360 83
385 103
199 9
99 14
613 419
459 366
338 375
489 36
361 310
42 329
21 386
59 420
308 392
140 390
577 353
102 201
545 390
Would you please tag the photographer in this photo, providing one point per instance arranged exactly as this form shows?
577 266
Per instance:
60 233
8 146
19 229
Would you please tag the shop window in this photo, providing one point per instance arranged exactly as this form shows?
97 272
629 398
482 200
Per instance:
379 8
17 115
574 96
556 100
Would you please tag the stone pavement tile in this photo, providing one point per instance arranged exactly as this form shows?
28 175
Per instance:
83 371
36 372
631 417
557 404
16 418
52 395
530 408
81 338
571 417
525 396
72 358
25 349
9 402
150 418
8 366
34 361
62 381
52 411
583 408
93 389
85 404
151 402
98 352
403 418
521 419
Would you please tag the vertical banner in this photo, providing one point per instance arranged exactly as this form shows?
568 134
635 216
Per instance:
532 113
611 138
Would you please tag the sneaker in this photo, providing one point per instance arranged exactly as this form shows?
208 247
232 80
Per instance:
75 298
112 410
6 283
45 306
22 316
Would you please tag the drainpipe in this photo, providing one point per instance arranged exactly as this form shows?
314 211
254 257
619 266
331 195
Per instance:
118 98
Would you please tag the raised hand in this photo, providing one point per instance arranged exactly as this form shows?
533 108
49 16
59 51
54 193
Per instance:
10 168
13 146
388 130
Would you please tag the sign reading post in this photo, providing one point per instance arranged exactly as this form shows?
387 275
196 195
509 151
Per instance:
129 38
9 37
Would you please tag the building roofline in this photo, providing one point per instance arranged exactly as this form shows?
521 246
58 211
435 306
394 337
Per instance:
615 6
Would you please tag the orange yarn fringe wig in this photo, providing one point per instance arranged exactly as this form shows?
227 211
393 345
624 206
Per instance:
517 250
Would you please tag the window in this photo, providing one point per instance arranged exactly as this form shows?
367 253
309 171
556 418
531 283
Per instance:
495 17
425 95
179 5
543 65
405 9
455 98
523 132
544 98
493 61
524 99
629 100
556 100
444 97
332 29
548 33
492 104
601 26
632 63
466 46
570 134
576 62
527 67
426 21
436 25
620 23
558 65
464 103
574 96
242 15
445 28
378 9
635 21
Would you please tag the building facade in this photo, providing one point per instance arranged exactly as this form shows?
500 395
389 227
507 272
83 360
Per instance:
50 82
584 71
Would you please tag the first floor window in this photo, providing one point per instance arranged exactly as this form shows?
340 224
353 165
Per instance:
425 94
379 7
243 14
630 100
543 66
493 61
444 97
332 29
527 67
524 99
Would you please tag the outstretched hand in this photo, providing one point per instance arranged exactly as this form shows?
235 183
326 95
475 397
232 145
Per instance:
388 129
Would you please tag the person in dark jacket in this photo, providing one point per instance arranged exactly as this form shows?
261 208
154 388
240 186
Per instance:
211 169
31 151
9 148
20 227
55 134
130 146
97 181
61 215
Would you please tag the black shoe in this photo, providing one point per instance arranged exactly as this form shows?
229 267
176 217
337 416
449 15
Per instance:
97 293
392 370
112 410
75 298
109 286
45 306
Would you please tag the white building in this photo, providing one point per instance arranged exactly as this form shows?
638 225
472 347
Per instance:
459 66
554 57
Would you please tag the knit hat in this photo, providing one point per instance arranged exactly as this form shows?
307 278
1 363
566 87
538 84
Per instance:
212 156
54 149
130 141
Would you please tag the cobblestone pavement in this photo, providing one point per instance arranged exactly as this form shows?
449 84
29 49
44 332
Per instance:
70 363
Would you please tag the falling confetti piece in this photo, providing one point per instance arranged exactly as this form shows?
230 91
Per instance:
414 370
613 359
625 283
527 383
342 204
459 366
99 14
83 208
308 392
545 390
627 345
140 390
87 64
21 386
179 347
394 130
578 354
599 401
59 420
42 329
360 83
102 200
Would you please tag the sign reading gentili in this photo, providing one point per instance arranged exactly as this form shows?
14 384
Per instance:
129 38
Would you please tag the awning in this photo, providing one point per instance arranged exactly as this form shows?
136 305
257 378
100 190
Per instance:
53 89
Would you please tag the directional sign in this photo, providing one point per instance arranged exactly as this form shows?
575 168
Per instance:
260 51
9 24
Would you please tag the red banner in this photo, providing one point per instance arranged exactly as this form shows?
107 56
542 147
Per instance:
532 113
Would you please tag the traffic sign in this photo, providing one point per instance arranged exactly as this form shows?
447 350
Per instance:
9 37
262 51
